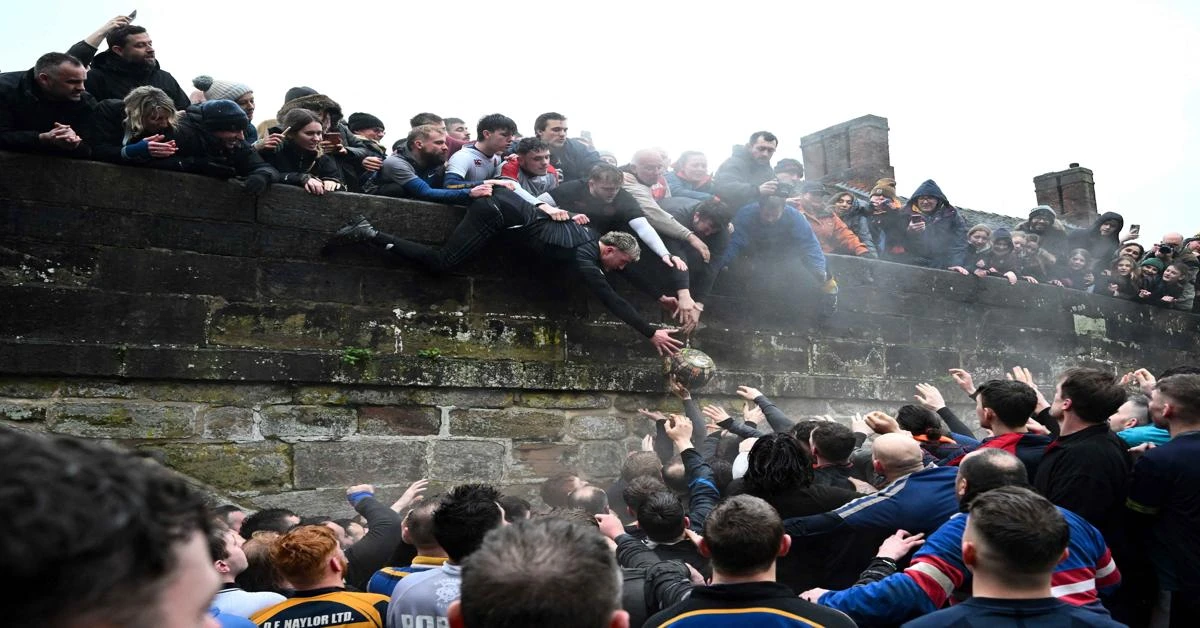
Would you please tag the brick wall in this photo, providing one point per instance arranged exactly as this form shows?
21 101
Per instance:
172 313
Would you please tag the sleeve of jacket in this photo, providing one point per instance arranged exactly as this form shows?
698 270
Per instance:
925 586
678 188
861 228
808 245
848 240
775 417
701 487
83 51
633 553
667 584
456 169
597 283
692 410
178 96
956 425
741 429
956 247
658 217
737 241
248 162
730 184
328 170
374 549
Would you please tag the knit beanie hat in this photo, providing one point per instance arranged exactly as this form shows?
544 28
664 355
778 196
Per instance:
884 190
220 90
1001 234
298 92
980 227
1043 210
1155 262
359 121
223 115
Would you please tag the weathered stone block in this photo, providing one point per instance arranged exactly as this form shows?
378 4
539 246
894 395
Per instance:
234 467
507 423
306 422
484 398
543 459
460 461
82 315
564 400
17 410
122 419
845 358
29 387
399 420
594 427
914 362
601 459
662 401
132 270
346 463
331 502
228 423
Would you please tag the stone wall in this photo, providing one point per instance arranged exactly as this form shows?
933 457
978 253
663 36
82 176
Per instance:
176 314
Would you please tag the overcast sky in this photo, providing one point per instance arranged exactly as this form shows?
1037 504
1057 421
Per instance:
979 96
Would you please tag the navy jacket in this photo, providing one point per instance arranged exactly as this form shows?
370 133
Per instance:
942 244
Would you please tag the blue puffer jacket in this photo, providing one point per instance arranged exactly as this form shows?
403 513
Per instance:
942 244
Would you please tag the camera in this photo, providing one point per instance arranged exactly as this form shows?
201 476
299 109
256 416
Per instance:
785 190
1166 249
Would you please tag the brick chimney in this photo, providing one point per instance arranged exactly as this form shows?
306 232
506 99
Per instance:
1071 192
853 152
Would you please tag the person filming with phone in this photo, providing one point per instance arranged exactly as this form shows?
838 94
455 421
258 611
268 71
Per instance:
301 159
928 231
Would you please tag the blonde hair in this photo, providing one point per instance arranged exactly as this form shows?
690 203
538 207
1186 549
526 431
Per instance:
141 103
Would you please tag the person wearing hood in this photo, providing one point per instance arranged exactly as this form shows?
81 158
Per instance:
1000 260
928 231
831 232
210 141
45 109
129 62
240 93
690 178
353 158
855 215
1147 289
1101 239
1052 235
747 177
881 204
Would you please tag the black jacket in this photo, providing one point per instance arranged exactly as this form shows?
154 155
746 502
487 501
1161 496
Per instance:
372 552
25 113
941 245
1101 247
200 152
295 166
574 160
1086 473
110 76
737 180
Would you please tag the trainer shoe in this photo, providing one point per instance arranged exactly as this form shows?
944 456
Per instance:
353 232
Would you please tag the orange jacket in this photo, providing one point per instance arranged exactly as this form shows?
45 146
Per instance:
834 235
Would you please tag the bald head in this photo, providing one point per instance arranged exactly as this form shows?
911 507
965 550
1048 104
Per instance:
1174 239
590 499
896 455
985 469
648 165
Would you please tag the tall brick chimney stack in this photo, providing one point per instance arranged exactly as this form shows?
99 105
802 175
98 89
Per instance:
1071 192
853 152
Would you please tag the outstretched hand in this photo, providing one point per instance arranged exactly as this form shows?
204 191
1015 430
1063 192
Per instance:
929 396
665 343
898 545
716 413
881 423
964 380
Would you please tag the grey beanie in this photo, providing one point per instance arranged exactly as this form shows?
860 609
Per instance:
220 90
1046 210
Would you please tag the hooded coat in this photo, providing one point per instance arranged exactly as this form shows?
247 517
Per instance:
110 76
737 180
1053 240
1102 248
350 164
942 244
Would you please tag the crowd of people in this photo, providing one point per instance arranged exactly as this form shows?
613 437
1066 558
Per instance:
763 228
1080 509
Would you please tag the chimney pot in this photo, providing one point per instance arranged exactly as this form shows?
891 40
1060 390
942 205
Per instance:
1075 165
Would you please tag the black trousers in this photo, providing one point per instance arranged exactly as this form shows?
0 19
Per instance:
485 218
